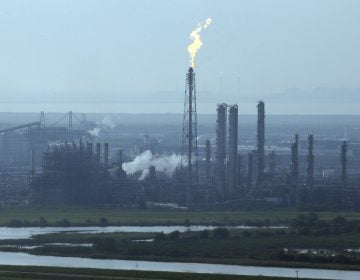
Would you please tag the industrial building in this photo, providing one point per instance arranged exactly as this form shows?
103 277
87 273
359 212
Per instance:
229 168
226 151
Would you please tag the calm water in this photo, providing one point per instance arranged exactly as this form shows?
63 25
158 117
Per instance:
7 258
27 232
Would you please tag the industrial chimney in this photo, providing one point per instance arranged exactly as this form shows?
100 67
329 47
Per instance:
106 155
294 165
221 150
310 162
232 149
344 179
260 150
98 151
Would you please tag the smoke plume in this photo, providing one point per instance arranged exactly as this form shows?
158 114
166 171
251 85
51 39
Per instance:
142 163
107 123
95 131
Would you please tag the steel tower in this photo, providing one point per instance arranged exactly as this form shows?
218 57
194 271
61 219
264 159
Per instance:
189 154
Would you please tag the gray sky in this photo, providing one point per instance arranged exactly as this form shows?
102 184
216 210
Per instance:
110 51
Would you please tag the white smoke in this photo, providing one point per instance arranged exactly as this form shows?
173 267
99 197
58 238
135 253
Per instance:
107 123
56 143
162 163
95 131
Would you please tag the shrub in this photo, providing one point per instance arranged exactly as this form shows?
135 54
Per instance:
15 223
105 244
174 235
187 223
160 236
63 223
221 233
204 234
43 222
103 222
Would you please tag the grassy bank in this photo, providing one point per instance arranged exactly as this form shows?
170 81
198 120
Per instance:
54 273
118 216
259 247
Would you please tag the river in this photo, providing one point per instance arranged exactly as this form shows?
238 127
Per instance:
27 232
9 258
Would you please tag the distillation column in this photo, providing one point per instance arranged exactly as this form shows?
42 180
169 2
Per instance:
221 150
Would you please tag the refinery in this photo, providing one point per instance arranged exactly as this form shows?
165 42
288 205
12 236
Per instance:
194 162
217 164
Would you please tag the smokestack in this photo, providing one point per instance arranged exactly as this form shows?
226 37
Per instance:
310 162
106 155
272 164
208 161
260 149
232 150
344 179
250 168
98 151
294 166
221 150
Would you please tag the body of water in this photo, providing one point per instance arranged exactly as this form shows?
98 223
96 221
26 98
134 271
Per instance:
27 232
10 258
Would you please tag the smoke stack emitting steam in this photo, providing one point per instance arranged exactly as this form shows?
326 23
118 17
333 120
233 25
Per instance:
196 41
162 163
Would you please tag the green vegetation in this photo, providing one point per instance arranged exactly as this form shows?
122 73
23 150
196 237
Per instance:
57 273
106 215
309 242
296 246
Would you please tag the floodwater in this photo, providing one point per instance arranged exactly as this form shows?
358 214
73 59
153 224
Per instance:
27 232
10 258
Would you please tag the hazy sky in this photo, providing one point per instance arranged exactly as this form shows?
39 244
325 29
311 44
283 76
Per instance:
107 51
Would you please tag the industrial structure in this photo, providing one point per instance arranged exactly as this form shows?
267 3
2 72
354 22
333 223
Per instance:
294 165
56 164
232 150
189 137
260 144
221 150
226 150
344 178
310 162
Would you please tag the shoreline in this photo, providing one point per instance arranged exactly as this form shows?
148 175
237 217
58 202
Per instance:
93 273
17 259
